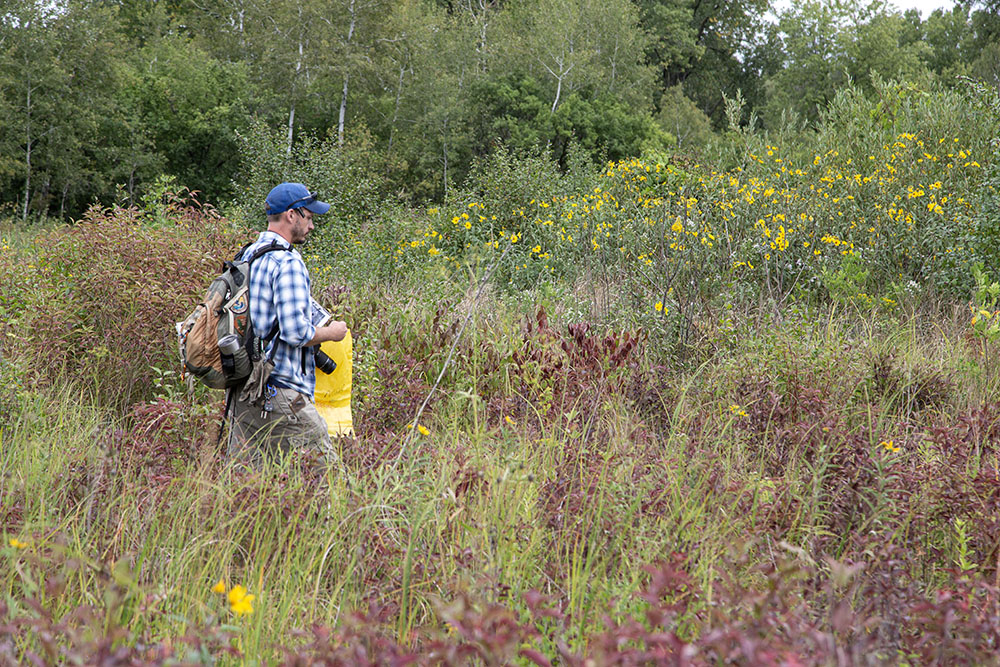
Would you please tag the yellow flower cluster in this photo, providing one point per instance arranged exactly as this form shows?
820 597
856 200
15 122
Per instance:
981 314
773 214
240 601
421 429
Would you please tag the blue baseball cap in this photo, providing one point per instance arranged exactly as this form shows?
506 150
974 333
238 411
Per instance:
293 195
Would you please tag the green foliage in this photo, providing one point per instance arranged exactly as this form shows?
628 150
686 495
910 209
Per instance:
512 178
861 211
187 107
605 127
515 114
165 88
55 60
673 43
848 284
683 120
713 49
832 44
487 217
898 174
950 41
349 177
594 48
985 236
985 305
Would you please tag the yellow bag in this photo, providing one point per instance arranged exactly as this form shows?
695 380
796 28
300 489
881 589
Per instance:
333 391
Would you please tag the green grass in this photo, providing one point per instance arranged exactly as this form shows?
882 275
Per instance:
572 499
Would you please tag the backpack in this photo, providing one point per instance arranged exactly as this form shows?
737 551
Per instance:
217 342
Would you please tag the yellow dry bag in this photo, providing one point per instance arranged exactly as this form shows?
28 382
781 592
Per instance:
333 391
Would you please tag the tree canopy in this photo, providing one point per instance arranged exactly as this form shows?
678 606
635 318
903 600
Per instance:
102 98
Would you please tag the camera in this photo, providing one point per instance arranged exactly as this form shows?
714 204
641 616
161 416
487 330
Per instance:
324 362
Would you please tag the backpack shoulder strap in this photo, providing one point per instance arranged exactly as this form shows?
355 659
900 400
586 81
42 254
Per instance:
233 271
259 252
238 257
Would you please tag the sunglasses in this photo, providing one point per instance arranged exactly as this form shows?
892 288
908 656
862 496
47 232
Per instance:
312 196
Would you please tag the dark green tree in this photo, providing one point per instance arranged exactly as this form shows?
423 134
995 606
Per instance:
828 44
187 106
710 47
55 76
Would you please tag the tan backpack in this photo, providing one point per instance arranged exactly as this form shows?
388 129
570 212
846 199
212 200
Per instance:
216 341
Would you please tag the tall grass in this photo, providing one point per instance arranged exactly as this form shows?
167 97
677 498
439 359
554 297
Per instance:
770 452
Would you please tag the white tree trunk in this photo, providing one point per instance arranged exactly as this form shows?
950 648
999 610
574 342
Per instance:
343 111
291 110
27 153
347 76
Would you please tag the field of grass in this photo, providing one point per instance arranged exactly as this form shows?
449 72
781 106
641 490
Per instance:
804 484
673 414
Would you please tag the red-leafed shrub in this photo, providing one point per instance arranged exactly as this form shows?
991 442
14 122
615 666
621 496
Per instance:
105 293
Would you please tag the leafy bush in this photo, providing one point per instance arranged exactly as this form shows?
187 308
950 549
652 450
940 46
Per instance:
357 239
105 292
350 177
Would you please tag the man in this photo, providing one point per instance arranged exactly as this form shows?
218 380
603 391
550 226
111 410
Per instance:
285 417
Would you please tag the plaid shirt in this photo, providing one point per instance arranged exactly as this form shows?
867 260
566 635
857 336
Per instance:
279 291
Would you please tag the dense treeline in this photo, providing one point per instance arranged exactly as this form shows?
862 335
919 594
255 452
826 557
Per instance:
104 99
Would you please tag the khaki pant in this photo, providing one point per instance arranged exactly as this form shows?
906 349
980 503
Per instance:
291 424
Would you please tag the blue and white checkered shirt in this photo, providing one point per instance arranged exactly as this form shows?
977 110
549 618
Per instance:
279 291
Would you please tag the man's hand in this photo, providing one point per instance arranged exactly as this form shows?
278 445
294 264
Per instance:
335 330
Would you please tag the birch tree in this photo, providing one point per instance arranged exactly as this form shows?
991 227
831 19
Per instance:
577 44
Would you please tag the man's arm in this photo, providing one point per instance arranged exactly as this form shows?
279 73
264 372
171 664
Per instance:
335 330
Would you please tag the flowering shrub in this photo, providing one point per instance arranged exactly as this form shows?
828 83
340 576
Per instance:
886 200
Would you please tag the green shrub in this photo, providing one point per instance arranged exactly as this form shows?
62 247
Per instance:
350 177
358 237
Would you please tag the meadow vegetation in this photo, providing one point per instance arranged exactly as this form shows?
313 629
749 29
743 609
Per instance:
744 408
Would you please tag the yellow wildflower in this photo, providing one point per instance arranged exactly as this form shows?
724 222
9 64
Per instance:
890 446
240 602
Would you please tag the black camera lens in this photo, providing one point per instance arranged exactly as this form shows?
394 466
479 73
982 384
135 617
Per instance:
324 362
